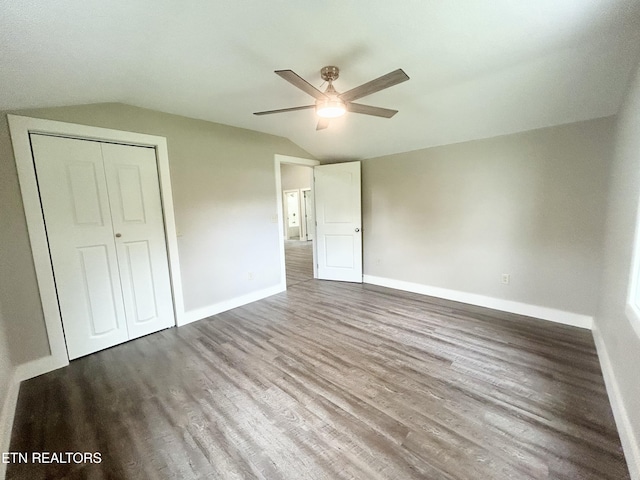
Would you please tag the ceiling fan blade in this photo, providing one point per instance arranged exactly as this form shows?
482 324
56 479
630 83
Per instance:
282 110
380 83
369 110
322 124
297 81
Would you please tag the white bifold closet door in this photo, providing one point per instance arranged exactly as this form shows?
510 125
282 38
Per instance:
104 223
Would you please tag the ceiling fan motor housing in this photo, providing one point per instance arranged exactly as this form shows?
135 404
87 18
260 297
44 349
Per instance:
329 73
332 106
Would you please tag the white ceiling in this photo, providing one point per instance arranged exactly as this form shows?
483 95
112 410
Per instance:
478 68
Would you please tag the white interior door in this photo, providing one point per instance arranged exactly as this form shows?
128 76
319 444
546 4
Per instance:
136 213
75 202
105 228
339 221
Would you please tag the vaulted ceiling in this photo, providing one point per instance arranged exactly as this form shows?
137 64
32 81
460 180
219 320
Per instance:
478 68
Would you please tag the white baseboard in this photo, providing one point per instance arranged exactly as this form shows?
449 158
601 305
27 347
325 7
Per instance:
39 367
20 373
200 313
545 313
625 429
49 363
6 417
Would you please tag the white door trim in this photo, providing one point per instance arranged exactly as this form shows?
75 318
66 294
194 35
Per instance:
278 160
20 128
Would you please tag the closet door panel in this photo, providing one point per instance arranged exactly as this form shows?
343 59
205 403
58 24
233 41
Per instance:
136 209
75 203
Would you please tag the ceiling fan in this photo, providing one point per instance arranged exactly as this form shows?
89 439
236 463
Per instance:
331 104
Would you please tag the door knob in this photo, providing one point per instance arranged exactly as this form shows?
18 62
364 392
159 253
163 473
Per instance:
118 235
357 230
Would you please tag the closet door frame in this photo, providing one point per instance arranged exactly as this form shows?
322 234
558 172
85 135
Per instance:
21 128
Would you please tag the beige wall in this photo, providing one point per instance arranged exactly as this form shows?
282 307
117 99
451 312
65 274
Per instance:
223 183
6 367
295 176
6 378
19 294
621 341
529 204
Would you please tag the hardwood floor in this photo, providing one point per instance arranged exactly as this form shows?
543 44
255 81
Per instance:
298 261
331 381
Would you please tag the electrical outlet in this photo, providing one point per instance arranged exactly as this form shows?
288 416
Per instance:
506 278
251 276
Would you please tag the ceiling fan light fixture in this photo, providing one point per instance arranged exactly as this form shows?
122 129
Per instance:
330 108
331 104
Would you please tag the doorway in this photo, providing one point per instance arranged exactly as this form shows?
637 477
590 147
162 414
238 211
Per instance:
336 233
297 206
297 255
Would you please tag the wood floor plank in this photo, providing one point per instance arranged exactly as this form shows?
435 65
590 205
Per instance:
298 261
331 381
